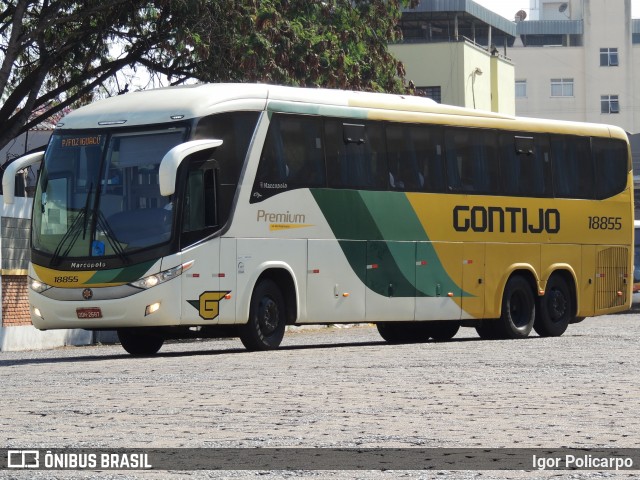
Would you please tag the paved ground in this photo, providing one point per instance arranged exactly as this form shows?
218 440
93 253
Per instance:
334 387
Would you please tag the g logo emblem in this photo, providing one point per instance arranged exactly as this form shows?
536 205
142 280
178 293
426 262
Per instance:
87 294
209 307
208 304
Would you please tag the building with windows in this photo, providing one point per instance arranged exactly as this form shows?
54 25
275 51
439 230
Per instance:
575 60
565 60
455 52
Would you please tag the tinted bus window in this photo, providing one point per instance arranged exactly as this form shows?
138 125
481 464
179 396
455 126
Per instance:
572 167
525 164
235 129
292 156
355 154
414 154
472 160
611 160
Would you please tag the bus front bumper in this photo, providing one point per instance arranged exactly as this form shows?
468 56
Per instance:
147 308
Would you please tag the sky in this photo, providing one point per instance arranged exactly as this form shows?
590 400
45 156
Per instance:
508 8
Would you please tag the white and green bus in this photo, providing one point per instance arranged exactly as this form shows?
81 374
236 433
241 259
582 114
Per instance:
238 209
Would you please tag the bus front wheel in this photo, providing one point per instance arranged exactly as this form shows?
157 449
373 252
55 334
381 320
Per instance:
555 309
140 342
267 318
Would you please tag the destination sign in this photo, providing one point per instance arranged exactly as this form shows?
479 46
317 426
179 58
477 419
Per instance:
81 141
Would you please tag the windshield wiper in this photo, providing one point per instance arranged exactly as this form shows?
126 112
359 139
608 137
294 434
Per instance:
107 231
79 223
73 233
86 209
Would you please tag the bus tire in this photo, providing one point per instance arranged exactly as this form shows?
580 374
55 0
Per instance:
518 309
442 331
403 332
267 318
487 329
555 308
140 342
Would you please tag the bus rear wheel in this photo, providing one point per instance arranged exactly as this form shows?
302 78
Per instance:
442 330
140 342
518 310
267 318
555 309
404 332
487 329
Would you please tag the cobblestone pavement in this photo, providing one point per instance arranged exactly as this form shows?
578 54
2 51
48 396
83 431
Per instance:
333 387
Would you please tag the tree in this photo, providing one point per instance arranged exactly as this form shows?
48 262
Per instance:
331 43
58 53
55 53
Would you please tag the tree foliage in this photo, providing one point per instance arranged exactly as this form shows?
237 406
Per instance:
331 43
57 53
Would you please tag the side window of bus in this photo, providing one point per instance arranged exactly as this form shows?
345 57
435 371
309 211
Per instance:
414 154
472 160
235 129
356 154
611 159
200 210
525 164
572 167
292 156
430 147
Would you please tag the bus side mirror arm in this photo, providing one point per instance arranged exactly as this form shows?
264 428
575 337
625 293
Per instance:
174 157
9 177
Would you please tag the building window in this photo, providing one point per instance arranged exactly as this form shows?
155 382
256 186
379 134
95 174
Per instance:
562 87
609 104
433 93
608 57
521 88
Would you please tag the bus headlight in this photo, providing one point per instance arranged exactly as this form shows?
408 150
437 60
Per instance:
164 276
38 286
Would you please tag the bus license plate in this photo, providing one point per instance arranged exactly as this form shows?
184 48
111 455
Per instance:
91 312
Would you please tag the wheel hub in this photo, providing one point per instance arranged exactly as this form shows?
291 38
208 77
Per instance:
557 305
269 316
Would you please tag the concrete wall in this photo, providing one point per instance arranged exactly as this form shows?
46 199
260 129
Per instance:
451 65
538 65
16 330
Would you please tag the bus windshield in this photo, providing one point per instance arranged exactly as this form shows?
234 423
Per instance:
98 194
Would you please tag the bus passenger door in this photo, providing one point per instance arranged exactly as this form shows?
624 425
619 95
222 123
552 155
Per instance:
201 284
335 281
230 266
200 219
473 280
391 280
438 280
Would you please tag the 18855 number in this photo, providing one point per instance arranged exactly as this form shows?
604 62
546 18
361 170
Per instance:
605 223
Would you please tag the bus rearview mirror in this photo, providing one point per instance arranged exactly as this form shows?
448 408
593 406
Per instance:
174 157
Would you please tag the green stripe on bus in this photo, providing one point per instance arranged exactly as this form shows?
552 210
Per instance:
379 233
121 275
